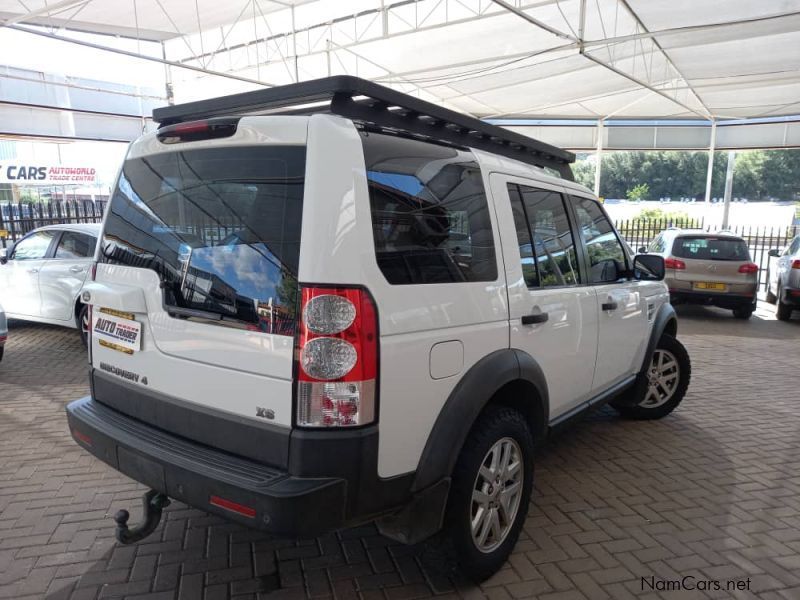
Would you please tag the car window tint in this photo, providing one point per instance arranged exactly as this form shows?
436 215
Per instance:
75 245
529 271
34 246
607 256
795 246
430 216
553 246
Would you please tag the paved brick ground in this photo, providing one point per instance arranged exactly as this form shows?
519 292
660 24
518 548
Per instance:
711 492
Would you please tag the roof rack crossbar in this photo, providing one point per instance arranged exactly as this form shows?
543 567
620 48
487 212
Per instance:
368 102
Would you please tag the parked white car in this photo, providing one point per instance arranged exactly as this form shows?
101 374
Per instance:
308 322
41 275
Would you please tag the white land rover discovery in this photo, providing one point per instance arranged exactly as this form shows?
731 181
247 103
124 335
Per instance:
369 309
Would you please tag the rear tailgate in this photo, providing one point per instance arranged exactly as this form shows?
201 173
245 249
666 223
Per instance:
712 260
198 272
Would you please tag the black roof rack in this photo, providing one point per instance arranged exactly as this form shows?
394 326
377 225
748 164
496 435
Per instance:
368 102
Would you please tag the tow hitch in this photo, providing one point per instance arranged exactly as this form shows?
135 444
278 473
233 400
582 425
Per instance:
153 503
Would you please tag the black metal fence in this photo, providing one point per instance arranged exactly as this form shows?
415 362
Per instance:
760 239
19 218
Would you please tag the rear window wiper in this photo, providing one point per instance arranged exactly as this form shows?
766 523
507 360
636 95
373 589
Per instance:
194 312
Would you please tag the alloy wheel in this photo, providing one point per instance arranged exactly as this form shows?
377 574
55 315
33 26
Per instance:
496 494
662 379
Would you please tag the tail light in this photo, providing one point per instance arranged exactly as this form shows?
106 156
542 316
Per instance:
749 268
337 358
193 131
674 263
796 264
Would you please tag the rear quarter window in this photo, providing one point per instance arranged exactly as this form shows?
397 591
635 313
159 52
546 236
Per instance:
710 248
430 216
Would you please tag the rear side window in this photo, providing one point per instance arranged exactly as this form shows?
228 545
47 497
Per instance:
75 245
221 227
430 217
710 248
546 245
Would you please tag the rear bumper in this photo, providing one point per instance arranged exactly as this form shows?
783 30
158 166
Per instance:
274 500
722 300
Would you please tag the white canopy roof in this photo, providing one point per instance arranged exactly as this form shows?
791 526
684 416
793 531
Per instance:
490 58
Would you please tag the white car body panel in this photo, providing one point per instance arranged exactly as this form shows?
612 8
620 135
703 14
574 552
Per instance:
565 345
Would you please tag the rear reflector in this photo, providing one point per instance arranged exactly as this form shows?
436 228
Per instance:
749 268
194 131
81 437
232 506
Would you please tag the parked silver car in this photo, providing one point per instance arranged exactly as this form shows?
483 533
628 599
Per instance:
42 274
784 279
708 268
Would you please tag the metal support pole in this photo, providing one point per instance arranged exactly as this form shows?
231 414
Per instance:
294 48
598 161
728 188
710 171
167 77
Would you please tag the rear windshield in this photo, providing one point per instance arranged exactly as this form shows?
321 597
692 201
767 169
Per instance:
221 227
710 248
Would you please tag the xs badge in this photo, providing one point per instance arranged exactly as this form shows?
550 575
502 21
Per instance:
266 413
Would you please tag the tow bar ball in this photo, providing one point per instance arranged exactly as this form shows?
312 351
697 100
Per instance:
153 503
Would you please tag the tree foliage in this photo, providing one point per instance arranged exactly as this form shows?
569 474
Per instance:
638 192
758 174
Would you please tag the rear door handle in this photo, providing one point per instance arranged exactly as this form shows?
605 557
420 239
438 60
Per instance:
33 271
610 306
75 269
534 319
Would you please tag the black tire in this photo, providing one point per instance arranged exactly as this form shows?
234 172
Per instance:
496 425
83 324
640 410
743 312
770 297
784 311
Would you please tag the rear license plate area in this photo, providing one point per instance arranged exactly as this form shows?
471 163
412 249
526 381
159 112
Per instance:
710 286
143 470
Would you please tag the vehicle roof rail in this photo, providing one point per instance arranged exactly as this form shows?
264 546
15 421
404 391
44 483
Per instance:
378 106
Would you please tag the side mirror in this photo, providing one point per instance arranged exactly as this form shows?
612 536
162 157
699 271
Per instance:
774 252
648 267
4 256
642 250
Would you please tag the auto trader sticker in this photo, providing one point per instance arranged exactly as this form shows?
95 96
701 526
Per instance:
117 333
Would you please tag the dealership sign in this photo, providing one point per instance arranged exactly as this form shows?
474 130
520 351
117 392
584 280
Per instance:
23 173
